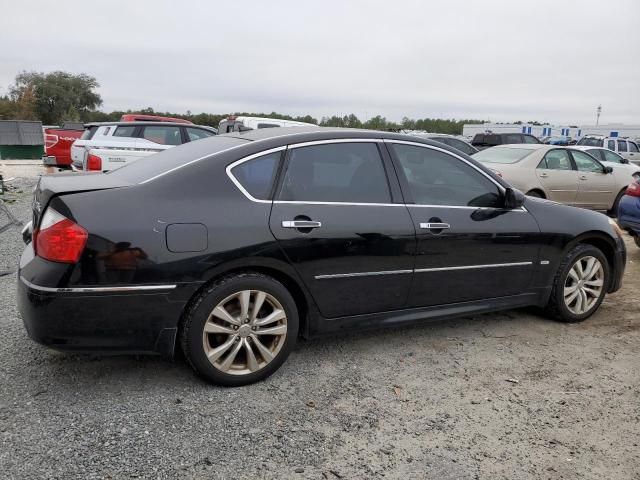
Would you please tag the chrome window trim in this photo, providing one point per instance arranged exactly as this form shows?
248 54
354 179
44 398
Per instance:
130 288
354 204
237 183
335 140
421 270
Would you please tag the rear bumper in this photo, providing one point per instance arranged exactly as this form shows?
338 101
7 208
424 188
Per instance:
52 161
126 322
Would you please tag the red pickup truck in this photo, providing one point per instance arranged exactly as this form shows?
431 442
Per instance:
57 143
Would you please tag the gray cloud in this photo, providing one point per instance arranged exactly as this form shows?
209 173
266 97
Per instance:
498 60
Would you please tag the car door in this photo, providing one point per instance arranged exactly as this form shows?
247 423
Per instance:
596 189
468 246
633 154
340 220
558 176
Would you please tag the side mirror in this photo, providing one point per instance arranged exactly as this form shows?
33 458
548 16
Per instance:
624 161
608 170
513 198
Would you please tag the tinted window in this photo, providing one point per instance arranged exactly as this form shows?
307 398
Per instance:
556 160
611 145
590 142
512 138
437 178
256 176
460 145
610 156
586 163
169 135
344 172
124 131
88 133
530 139
632 147
197 133
485 140
622 146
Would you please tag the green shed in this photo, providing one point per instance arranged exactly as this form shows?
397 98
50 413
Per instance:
21 139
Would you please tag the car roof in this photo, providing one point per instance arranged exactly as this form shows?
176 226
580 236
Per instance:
156 123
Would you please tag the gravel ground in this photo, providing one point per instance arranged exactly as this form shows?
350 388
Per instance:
508 395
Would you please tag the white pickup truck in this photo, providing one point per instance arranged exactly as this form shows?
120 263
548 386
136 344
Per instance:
110 145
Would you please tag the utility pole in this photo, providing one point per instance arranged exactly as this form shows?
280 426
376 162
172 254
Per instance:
598 112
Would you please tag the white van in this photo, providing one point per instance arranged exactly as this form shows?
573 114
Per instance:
238 124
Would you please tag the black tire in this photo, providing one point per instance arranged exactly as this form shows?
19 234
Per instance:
616 203
191 334
534 194
556 307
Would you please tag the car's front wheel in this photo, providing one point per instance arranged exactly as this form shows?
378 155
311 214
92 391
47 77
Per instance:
240 330
579 285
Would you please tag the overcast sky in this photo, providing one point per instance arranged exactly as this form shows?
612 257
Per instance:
499 60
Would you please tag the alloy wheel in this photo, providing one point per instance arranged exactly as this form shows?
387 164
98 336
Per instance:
584 284
244 332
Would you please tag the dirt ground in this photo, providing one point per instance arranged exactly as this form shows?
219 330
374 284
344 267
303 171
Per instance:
510 395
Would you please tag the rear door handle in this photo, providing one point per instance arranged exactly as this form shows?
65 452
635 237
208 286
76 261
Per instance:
435 226
583 177
544 175
301 224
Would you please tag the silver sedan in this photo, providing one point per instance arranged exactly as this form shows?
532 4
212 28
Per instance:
563 174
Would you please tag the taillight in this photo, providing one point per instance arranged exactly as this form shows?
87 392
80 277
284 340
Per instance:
633 190
59 239
94 162
50 140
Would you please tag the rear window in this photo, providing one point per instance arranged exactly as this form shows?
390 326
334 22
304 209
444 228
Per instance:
590 142
502 155
485 140
88 133
162 162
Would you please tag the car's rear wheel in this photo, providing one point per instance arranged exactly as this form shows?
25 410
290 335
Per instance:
579 285
240 330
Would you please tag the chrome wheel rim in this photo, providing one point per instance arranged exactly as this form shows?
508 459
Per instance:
584 284
244 332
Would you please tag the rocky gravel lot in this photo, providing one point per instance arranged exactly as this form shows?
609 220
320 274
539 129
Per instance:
509 395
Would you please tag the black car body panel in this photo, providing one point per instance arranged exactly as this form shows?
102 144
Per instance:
163 228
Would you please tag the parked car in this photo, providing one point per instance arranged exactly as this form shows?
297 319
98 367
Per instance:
487 140
138 117
57 144
286 232
629 211
611 159
110 145
239 124
558 140
562 174
626 148
450 140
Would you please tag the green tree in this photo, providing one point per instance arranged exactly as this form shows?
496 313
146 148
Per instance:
57 96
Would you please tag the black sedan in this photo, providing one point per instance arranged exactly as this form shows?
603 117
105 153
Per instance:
231 247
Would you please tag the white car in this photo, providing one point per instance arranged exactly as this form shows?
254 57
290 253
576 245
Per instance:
110 145
611 159
237 124
626 148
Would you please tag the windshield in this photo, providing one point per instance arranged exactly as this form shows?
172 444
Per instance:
590 142
159 163
502 155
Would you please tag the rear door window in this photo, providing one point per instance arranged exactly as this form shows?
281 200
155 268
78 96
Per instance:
342 172
556 160
124 131
163 135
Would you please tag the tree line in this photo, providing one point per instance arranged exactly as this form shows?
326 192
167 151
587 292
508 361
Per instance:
56 97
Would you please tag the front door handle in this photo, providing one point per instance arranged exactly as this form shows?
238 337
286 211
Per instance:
435 226
301 224
583 177
544 175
